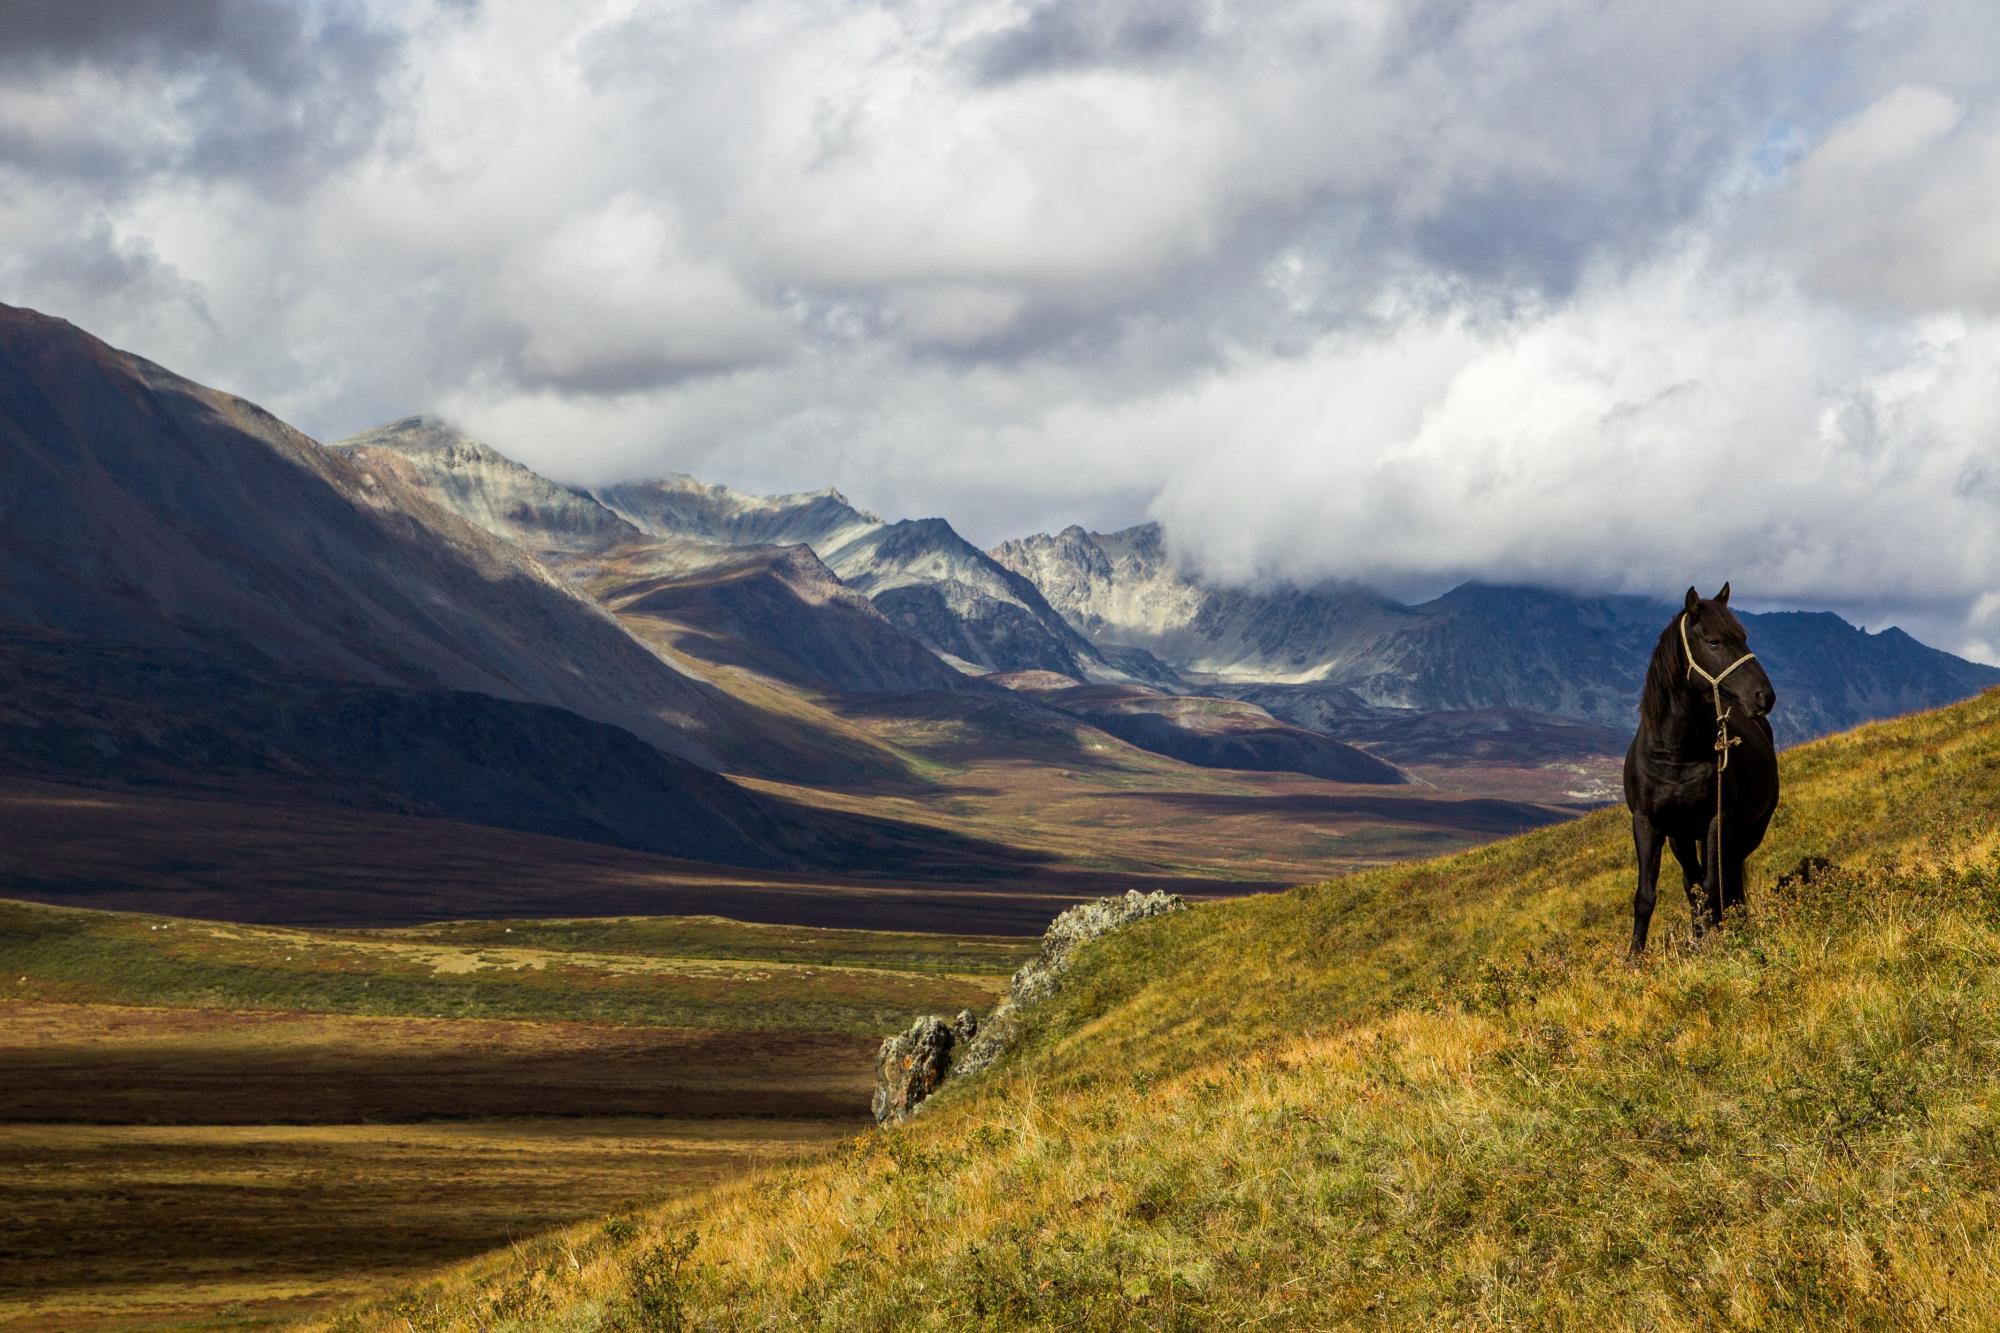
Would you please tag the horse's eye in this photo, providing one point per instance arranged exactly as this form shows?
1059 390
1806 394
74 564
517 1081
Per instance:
1715 643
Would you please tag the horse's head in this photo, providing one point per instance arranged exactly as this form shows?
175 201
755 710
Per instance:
1717 644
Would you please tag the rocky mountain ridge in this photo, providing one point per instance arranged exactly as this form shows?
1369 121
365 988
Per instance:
1340 658
739 581
939 588
922 577
770 605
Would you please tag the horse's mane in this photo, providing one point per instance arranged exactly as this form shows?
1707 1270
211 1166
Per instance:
1663 675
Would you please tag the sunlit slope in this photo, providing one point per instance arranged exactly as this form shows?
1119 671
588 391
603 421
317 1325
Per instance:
1433 1094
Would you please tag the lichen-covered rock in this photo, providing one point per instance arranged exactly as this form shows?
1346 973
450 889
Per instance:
1040 975
1079 925
911 1066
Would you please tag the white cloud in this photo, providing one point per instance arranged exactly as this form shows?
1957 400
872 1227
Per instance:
1595 291
612 302
1896 207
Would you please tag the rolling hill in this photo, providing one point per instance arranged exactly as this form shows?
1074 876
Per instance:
1433 1094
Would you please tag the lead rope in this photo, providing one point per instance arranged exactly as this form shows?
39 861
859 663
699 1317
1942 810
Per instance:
1723 740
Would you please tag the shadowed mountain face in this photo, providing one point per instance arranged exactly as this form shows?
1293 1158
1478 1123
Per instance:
1478 647
778 611
929 581
72 711
138 507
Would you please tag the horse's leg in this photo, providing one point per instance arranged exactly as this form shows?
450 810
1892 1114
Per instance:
1646 841
1733 858
1688 852
1738 859
1732 893
1712 866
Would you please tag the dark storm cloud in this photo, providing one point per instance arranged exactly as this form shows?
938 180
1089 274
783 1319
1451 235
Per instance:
1063 36
257 89
267 41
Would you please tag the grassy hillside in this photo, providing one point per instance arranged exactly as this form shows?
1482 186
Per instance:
1429 1094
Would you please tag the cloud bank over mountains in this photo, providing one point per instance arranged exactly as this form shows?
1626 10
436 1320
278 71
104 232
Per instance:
1611 294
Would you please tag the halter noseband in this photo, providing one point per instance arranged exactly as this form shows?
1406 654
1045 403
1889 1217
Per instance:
1723 740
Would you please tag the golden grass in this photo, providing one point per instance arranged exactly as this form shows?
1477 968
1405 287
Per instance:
1430 1095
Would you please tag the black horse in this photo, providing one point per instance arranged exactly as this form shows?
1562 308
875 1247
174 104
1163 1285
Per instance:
1703 721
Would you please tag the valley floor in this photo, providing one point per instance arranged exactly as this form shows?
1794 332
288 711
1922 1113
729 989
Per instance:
150 1226
226 1126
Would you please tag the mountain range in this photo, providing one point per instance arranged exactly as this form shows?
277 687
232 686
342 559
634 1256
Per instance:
194 595
198 600
1342 658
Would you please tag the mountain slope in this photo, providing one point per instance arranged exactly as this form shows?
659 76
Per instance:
929 581
1436 1095
776 610
192 592
1477 647
139 507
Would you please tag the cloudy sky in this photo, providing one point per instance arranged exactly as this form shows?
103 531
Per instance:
1613 294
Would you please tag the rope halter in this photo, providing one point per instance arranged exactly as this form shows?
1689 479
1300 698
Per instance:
1723 740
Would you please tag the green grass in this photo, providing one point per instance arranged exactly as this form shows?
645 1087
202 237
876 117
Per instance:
714 937
1438 1095
673 971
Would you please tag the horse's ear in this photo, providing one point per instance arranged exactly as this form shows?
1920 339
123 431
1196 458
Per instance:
1722 598
1693 602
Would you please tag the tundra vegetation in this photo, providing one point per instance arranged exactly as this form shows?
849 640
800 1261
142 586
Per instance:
1422 1095
227 1125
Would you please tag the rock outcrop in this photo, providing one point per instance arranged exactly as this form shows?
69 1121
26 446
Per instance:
1041 976
914 1064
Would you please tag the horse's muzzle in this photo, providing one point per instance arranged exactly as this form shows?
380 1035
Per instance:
1763 701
